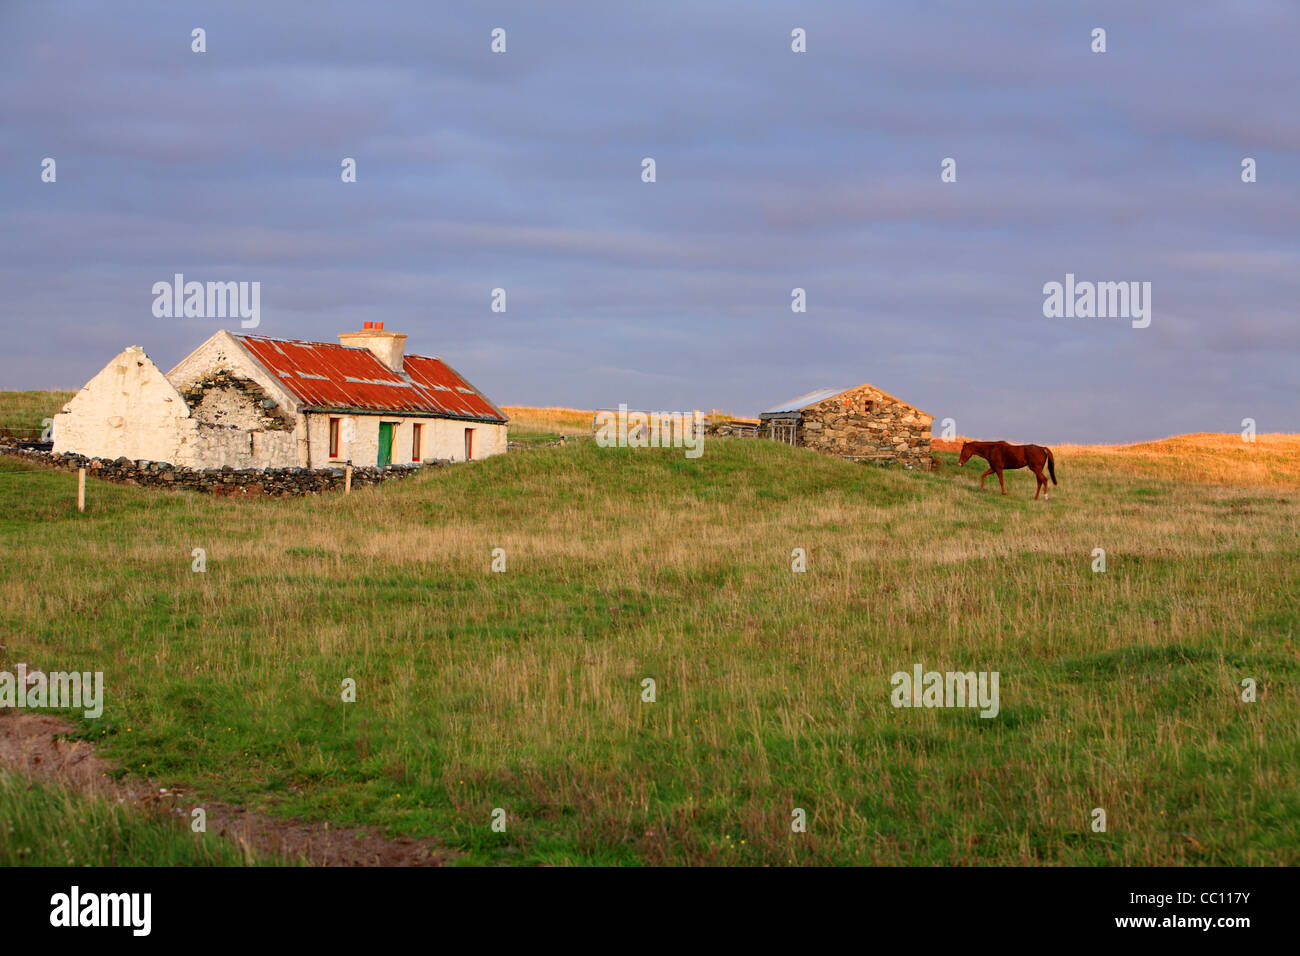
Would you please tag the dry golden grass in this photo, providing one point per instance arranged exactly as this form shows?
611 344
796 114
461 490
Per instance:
572 422
1270 461
1203 458
717 414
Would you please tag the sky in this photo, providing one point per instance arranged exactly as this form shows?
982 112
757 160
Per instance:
774 170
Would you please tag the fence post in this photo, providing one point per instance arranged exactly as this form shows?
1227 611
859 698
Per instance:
347 479
81 489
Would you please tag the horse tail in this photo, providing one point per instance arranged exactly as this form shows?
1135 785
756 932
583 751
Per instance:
1051 464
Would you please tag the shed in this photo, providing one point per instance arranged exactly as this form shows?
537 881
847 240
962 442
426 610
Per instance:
862 423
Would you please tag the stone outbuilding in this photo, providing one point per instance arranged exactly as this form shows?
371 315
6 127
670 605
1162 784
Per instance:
249 401
863 423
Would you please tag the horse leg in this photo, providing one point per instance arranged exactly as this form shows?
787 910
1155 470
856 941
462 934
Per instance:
983 476
1038 473
1001 482
1039 481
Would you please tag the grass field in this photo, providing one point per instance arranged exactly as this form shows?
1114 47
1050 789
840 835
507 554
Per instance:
21 412
522 690
42 825
533 426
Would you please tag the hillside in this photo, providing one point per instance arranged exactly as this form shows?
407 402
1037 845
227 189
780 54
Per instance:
22 413
523 690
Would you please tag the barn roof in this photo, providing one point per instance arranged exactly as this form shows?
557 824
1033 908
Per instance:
820 395
328 377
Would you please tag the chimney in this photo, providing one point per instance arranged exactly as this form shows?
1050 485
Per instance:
388 347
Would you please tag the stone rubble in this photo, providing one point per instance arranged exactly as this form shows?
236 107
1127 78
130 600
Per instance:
224 482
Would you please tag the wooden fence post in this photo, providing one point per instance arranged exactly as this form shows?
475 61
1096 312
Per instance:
81 489
347 479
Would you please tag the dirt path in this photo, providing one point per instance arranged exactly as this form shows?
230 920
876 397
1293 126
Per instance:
29 744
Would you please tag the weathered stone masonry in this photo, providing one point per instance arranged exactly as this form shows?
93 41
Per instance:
863 424
867 424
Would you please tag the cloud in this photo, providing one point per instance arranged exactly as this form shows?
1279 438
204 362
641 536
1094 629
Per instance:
775 170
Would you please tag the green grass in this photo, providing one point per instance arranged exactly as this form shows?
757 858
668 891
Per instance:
21 412
45 825
522 690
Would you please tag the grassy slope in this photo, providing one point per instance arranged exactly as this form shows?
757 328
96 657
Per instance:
522 690
43 825
1269 461
20 411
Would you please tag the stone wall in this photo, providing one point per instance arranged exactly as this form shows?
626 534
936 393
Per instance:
261 436
221 482
225 400
866 424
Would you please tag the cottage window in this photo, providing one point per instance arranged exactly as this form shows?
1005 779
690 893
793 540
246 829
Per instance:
415 442
334 437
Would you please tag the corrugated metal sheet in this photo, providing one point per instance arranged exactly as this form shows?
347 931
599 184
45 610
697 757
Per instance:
803 401
332 377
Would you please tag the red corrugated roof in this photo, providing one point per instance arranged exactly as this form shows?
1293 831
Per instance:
340 377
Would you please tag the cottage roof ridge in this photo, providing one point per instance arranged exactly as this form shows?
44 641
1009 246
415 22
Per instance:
332 345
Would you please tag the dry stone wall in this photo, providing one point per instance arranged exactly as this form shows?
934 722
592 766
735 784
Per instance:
221 482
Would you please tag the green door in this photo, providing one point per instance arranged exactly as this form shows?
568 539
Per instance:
385 443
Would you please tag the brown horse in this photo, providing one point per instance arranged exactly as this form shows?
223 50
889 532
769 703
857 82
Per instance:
1004 455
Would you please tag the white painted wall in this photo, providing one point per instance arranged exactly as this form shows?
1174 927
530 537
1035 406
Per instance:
129 409
442 438
216 447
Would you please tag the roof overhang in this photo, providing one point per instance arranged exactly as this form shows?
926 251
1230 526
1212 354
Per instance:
386 413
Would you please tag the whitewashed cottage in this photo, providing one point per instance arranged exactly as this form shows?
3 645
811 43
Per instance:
249 401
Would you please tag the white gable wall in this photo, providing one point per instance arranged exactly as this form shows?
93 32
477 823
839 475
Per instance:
128 410
241 447
223 351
